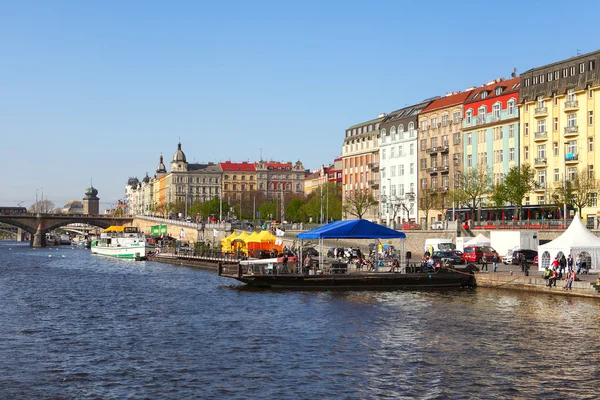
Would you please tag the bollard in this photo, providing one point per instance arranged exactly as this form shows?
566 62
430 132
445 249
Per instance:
510 273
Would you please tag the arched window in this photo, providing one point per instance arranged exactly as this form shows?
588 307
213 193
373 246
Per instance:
393 133
411 129
383 134
400 131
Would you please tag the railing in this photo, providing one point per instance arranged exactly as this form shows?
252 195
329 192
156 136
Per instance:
571 129
541 111
540 135
443 148
444 168
431 170
521 224
540 161
431 150
571 104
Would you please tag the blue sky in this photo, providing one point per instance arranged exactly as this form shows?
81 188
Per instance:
100 89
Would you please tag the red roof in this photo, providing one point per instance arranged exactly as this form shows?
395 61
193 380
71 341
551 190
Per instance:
243 166
278 165
447 101
508 86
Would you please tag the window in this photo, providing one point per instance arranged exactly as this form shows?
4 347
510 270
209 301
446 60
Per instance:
556 101
542 178
484 94
401 132
590 171
590 144
423 144
423 125
571 94
581 68
412 168
469 160
511 107
423 163
591 93
526 81
572 120
511 131
542 151
412 149
500 156
511 154
555 149
434 123
571 173
591 117
550 76
592 65
401 170
445 118
498 91
393 171
526 153
392 155
541 125
540 102
535 80
496 111
393 134
555 124
383 154
383 136
456 117
556 75
457 138
411 129
400 151
526 128
469 139
572 70
593 199
556 175
565 72
542 78
469 116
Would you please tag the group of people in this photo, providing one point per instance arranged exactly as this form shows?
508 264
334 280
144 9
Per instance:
562 268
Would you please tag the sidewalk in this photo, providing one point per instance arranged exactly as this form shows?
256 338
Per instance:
533 272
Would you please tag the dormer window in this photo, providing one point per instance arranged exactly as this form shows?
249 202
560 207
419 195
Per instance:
498 91
483 95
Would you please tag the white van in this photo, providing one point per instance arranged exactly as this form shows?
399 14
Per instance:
438 244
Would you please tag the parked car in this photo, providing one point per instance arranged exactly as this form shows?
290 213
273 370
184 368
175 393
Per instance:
455 257
310 251
438 225
512 257
408 226
474 254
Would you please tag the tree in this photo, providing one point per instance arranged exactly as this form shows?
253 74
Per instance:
474 184
498 196
358 203
583 186
428 200
519 181
293 210
42 207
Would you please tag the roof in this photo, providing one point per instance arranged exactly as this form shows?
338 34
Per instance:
576 236
352 229
570 59
509 86
379 119
210 167
241 167
408 111
447 101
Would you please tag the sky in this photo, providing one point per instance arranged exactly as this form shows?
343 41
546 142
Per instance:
96 91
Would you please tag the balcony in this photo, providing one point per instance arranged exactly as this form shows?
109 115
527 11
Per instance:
443 148
572 105
571 131
571 158
540 136
442 189
541 112
431 150
479 120
374 166
456 141
540 162
444 169
540 188
432 170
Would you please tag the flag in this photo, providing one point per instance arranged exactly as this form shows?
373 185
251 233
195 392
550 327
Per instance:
279 232
215 233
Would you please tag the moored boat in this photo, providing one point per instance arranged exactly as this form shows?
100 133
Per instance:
122 242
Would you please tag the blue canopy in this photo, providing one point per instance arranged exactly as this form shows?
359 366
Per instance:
352 229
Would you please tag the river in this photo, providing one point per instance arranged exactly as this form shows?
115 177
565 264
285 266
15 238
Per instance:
77 326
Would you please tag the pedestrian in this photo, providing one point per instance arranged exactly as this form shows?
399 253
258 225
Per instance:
562 266
284 268
495 261
578 263
524 265
484 262
552 279
569 279
570 261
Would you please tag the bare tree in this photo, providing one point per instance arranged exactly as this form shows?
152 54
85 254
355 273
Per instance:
474 184
584 185
358 203
42 207
428 200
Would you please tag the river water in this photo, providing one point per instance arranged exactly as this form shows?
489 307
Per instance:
77 326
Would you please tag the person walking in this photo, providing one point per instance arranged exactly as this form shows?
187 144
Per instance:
524 266
562 266
484 262
570 262
495 261
578 263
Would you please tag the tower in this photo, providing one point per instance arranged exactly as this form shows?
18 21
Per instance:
91 202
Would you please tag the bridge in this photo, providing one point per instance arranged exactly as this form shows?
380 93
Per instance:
39 224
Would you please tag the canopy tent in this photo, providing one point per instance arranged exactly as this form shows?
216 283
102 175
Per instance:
263 241
479 240
352 229
239 243
115 228
576 239
226 242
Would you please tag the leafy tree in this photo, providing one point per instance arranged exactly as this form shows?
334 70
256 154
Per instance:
358 203
474 184
293 210
268 210
519 181
498 196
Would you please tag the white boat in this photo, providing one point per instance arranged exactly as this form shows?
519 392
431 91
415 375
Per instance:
122 242
52 239
65 239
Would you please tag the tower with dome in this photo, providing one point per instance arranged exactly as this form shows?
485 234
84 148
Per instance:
91 202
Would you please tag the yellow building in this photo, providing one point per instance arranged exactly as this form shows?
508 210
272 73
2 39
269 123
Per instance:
558 106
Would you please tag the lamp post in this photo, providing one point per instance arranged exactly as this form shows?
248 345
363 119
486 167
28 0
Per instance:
565 186
388 201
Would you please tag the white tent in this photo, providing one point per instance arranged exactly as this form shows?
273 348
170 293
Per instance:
479 240
576 239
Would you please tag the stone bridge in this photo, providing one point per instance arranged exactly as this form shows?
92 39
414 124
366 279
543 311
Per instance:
39 224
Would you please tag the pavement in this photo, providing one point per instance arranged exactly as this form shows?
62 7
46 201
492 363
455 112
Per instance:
533 271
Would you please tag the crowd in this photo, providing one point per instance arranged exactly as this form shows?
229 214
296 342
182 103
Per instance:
563 268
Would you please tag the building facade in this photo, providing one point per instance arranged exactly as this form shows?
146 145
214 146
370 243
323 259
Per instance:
558 106
399 164
440 153
360 164
491 128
